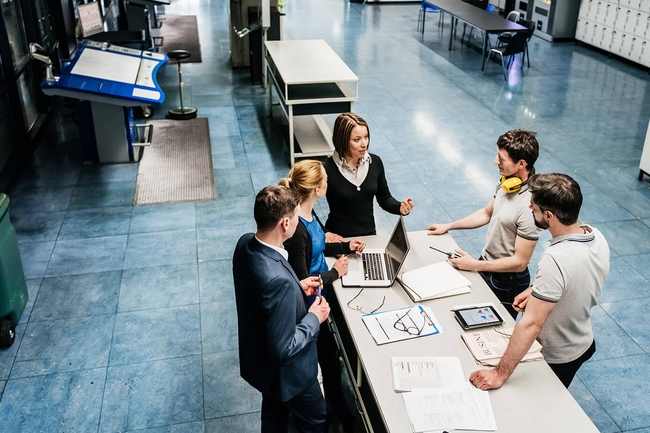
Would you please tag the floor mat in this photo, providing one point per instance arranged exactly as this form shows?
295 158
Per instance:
177 166
181 33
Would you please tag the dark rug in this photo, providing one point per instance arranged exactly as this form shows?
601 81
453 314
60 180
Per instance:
181 33
177 166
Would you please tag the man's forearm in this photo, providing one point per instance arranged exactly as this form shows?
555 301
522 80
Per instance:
522 339
505 264
471 221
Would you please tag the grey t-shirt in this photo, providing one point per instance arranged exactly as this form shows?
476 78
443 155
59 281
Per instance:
511 217
570 273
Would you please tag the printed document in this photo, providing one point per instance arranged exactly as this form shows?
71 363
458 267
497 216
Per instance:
461 407
417 372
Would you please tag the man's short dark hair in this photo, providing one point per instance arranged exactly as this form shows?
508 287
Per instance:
557 193
520 144
273 203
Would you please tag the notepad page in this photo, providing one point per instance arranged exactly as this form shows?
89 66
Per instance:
434 280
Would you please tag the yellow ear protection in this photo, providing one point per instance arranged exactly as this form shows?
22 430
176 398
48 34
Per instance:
511 184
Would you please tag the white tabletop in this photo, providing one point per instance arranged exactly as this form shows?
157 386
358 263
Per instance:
533 400
308 62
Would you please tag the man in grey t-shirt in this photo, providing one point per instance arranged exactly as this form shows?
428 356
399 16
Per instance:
512 234
568 282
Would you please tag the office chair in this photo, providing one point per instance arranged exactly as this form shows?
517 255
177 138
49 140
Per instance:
530 25
504 38
422 14
514 47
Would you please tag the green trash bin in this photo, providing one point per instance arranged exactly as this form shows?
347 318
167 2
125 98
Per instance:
13 288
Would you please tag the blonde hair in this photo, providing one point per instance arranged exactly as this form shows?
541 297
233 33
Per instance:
305 176
343 127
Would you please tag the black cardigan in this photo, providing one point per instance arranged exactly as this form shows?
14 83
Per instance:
299 247
351 210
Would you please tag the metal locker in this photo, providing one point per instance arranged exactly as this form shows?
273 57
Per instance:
641 23
593 10
592 34
580 29
602 11
626 43
617 39
644 5
635 49
606 43
598 38
630 21
610 15
644 57
621 14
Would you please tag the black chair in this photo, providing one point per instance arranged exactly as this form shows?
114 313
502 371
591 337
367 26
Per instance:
504 38
530 25
515 46
182 112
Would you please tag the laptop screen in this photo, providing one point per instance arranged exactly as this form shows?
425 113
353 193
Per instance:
397 248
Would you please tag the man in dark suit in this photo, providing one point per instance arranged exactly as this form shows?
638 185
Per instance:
277 333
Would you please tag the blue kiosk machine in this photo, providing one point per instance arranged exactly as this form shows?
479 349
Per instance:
113 79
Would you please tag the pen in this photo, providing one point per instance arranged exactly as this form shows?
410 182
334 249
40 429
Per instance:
448 254
320 286
382 328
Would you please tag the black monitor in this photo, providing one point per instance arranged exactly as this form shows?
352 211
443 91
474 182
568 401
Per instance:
90 17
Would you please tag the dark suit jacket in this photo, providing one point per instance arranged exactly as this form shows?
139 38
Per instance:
277 337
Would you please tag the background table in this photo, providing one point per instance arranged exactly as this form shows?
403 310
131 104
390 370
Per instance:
485 21
310 79
533 400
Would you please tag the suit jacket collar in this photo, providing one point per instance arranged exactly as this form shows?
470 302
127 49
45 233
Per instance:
274 255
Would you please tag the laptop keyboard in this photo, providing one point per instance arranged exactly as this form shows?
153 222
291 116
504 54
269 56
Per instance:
372 266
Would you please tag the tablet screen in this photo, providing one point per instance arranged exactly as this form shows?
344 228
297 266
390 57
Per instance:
479 316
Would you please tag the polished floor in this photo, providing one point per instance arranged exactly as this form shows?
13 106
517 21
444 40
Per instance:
131 323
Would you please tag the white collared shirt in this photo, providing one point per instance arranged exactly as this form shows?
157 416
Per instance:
357 177
282 251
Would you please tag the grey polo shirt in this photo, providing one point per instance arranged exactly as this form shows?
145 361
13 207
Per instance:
570 273
511 217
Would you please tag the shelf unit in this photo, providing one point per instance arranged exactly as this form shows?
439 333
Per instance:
310 80
620 27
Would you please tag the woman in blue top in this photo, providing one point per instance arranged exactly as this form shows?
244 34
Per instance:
307 249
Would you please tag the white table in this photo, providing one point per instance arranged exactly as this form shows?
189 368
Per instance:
310 79
533 400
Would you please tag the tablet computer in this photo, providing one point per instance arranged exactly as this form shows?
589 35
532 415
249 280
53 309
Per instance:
477 317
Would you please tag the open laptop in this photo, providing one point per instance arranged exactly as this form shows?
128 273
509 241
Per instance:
379 268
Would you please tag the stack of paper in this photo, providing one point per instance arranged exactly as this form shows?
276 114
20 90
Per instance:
461 407
434 281
418 372
487 347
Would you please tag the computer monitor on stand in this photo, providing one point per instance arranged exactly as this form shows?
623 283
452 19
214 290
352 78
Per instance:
90 17
92 27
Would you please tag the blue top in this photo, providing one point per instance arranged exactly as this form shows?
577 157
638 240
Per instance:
318 264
